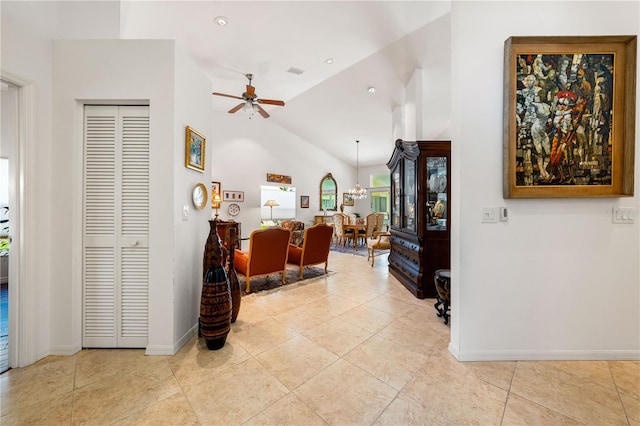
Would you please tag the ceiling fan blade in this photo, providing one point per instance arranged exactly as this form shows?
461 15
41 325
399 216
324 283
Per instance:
236 108
262 112
270 102
227 96
251 91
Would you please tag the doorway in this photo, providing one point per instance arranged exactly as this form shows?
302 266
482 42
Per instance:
8 150
4 264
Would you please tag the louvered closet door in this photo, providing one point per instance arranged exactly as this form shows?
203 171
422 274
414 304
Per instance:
116 226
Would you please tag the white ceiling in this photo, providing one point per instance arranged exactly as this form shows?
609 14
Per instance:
373 43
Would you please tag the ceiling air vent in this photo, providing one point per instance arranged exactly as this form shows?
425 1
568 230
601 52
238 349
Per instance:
294 70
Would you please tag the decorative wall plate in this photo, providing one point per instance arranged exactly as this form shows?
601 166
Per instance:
442 183
432 182
199 196
233 209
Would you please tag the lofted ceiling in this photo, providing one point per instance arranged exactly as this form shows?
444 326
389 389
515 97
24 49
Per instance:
372 43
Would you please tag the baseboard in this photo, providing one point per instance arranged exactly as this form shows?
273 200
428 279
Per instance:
172 349
63 350
551 355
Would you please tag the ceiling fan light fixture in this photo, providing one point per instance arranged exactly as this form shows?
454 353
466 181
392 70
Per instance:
222 21
251 102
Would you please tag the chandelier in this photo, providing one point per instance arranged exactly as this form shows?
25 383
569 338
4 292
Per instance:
358 193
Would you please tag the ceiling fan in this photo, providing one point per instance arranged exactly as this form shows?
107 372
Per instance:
251 101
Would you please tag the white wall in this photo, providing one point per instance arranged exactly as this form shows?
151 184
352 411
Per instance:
117 71
435 113
559 280
88 19
27 29
192 108
244 150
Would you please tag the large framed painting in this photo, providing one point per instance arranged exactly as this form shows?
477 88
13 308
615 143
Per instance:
569 116
195 144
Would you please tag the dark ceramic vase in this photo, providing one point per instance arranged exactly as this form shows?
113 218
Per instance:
234 283
215 303
215 308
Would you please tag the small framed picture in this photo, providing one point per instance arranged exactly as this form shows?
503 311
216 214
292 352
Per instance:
304 201
347 199
233 196
215 191
195 152
272 177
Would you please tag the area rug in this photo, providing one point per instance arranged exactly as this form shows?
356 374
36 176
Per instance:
274 281
348 249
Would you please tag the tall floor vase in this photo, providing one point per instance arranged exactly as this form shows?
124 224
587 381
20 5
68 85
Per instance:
234 283
215 303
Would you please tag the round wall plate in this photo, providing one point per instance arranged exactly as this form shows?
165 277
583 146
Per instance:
199 196
233 209
442 183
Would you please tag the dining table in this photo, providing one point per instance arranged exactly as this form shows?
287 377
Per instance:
357 229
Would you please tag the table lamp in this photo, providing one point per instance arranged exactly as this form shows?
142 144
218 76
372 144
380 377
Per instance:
215 203
271 203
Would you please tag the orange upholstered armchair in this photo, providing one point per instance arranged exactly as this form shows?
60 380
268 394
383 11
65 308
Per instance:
267 254
315 248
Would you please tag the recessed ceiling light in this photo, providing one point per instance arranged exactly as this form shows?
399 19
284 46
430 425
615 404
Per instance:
329 61
371 89
221 20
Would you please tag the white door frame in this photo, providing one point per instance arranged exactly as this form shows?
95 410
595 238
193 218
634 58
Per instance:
22 294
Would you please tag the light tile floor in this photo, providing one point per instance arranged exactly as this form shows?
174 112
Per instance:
354 348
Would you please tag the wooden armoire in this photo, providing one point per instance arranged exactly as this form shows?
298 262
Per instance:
420 219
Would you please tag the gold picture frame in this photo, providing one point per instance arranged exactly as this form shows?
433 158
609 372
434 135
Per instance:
216 190
195 150
347 199
569 116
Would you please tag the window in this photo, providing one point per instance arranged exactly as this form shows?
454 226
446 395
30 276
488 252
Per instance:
379 193
285 196
380 180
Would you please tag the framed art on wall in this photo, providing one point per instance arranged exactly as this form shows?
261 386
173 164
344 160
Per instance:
271 177
233 196
347 199
195 151
304 201
569 116
215 190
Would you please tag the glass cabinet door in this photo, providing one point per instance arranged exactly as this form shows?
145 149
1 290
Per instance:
409 195
395 196
437 203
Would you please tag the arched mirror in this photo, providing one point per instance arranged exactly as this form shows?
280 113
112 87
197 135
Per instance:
328 193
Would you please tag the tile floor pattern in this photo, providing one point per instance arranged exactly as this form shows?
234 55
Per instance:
355 348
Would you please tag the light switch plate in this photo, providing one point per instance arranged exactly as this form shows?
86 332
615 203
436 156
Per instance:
185 212
489 215
623 215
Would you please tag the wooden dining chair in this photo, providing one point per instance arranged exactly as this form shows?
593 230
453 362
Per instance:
370 227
